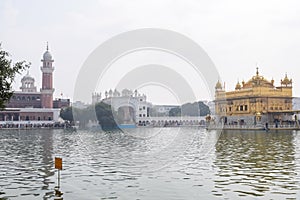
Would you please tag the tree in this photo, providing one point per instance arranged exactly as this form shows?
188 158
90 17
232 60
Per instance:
102 111
175 112
67 114
204 109
8 71
105 117
190 109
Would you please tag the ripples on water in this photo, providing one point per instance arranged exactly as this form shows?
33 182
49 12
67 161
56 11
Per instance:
167 163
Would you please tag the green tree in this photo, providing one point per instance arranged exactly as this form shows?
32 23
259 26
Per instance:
101 111
175 112
204 109
67 114
105 116
191 109
8 71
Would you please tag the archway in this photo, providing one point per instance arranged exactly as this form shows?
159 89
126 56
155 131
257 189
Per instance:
126 115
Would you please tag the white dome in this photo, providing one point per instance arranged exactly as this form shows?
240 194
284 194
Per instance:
27 77
47 56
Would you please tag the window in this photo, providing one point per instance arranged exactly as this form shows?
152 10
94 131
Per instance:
246 107
144 107
144 115
141 99
140 115
241 108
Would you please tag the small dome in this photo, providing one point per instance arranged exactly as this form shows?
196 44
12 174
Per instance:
286 81
47 56
218 85
27 77
238 86
126 92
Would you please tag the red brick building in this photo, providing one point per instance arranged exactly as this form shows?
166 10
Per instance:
30 104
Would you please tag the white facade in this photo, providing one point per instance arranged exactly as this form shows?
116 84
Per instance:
28 84
133 103
164 109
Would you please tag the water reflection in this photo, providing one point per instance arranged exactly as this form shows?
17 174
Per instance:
26 164
256 164
196 164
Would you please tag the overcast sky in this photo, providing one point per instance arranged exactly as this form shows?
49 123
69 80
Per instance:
235 34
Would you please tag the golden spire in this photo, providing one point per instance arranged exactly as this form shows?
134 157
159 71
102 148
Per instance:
218 85
238 86
286 81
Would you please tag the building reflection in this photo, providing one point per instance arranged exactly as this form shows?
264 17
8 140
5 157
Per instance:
47 162
27 164
255 163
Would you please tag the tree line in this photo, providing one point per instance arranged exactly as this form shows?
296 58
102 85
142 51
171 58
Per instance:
191 109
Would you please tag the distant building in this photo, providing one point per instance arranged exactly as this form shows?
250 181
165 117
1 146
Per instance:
255 101
131 107
163 110
79 105
96 97
30 104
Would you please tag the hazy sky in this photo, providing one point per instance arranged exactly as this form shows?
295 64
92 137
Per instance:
235 34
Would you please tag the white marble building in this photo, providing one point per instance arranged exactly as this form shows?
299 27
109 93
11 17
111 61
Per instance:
131 107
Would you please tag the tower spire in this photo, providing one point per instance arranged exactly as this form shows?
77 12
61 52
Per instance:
47 80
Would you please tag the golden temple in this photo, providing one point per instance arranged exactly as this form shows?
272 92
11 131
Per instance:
256 101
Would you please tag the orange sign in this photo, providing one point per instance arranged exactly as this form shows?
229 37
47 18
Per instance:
58 163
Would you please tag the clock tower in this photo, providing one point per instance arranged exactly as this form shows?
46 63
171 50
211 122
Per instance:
47 80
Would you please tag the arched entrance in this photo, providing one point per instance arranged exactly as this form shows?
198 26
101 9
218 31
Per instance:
126 115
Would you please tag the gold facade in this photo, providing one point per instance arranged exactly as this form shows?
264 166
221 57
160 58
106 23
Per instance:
257 97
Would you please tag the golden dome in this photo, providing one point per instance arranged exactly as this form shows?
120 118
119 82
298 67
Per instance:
218 86
258 80
286 81
238 86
